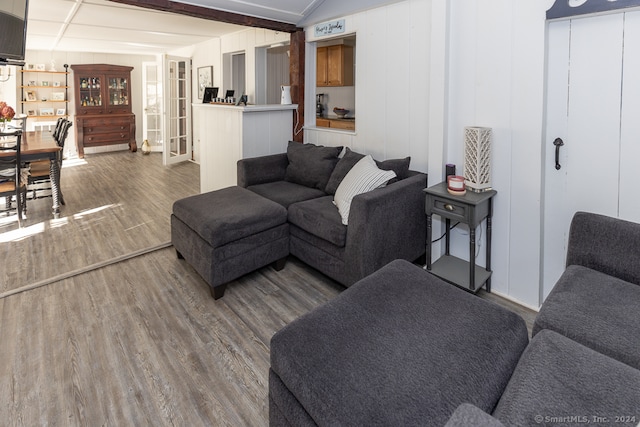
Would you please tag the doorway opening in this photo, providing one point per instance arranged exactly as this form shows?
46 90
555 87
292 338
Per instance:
234 74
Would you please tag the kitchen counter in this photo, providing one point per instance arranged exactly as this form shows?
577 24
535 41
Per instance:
228 133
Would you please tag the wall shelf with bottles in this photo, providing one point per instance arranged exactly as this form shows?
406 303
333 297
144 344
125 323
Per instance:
44 94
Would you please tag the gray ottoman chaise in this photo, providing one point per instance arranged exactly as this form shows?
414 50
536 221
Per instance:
402 347
399 348
246 232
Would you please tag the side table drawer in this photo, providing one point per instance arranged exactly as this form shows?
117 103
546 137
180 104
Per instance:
448 209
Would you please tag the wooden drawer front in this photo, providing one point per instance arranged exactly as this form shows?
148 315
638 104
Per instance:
448 209
338 124
106 121
109 138
91 110
111 128
323 123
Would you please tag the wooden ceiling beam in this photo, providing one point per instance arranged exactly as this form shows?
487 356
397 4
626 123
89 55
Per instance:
211 14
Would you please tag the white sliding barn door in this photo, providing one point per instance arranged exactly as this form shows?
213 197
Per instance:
588 98
630 125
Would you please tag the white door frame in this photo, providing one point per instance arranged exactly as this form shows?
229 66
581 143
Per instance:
178 145
156 142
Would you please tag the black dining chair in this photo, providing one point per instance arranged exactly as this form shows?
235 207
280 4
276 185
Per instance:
19 121
56 130
13 177
39 177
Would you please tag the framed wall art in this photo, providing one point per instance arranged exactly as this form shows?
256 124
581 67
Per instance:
205 79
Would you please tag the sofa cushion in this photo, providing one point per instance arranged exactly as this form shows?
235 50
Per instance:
285 193
350 158
596 310
399 166
319 217
346 162
400 347
363 177
311 165
557 378
468 415
229 214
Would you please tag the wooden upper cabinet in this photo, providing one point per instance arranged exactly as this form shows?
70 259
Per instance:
102 89
334 65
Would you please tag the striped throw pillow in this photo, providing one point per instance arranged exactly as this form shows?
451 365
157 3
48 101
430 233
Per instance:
364 176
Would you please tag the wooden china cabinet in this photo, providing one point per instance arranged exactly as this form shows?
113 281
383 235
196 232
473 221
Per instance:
103 106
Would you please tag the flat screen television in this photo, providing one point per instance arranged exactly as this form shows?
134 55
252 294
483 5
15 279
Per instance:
13 30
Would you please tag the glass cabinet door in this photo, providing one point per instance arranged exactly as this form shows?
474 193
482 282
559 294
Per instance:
90 95
118 92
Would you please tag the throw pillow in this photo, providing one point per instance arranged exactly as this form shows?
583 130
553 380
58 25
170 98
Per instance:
348 160
399 166
363 177
310 165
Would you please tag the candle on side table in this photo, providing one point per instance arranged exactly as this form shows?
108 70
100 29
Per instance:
455 185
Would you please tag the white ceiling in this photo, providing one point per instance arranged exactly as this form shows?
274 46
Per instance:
104 26
110 27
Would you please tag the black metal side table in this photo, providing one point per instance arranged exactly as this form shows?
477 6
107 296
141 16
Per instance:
471 209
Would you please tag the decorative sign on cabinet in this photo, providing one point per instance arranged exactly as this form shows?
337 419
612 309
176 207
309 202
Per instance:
103 106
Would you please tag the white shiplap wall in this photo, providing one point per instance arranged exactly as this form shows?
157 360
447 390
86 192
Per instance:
425 69
496 63
392 74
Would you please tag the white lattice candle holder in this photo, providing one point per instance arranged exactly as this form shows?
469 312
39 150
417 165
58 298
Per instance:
477 158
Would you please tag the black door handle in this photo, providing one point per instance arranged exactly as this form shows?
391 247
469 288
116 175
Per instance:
558 143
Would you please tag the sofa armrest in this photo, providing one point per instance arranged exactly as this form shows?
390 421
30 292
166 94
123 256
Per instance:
470 415
386 224
260 170
606 244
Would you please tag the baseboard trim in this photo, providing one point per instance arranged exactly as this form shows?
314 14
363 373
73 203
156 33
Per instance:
84 270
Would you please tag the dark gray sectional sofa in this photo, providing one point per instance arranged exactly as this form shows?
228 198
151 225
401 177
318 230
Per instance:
284 204
402 347
384 224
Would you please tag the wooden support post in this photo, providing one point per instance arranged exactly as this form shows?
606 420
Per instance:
296 80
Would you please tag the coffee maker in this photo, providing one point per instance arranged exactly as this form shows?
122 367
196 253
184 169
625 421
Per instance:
319 106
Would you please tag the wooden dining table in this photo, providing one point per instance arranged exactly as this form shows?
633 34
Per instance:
40 145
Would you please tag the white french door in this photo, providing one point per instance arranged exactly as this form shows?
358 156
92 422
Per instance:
152 123
593 106
177 107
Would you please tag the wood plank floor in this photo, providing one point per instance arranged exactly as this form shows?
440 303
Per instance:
139 342
115 204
